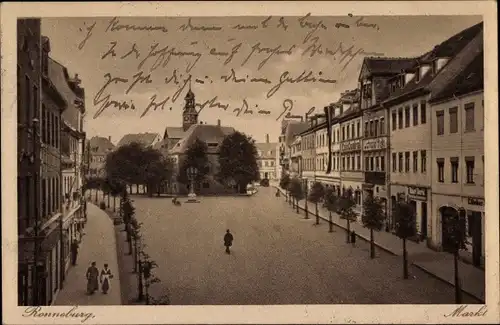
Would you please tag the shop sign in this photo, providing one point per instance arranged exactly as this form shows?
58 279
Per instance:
475 201
417 192
351 146
374 144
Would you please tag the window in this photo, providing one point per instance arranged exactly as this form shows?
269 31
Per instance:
366 129
415 161
407 161
376 131
358 130
371 129
272 163
454 169
423 112
440 164
372 165
469 163
400 162
353 163
382 126
265 163
348 131
343 133
423 161
415 114
358 158
393 162
343 163
400 118
367 164
440 122
36 100
348 163
27 97
407 116
377 163
469 117
393 120
453 120
382 163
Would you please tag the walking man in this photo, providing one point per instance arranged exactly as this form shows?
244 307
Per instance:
92 279
228 241
74 251
353 238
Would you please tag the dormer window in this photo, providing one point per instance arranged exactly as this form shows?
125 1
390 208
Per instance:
417 75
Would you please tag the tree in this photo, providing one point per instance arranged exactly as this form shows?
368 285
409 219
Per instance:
156 170
332 203
315 196
238 160
125 163
454 225
346 209
296 191
404 216
196 156
116 189
373 218
284 182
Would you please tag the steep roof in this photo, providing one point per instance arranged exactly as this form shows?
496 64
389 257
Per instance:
145 139
471 79
210 134
461 48
388 65
451 46
268 149
293 129
58 74
100 145
174 132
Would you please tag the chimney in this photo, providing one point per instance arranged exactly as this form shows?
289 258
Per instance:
218 122
109 138
267 138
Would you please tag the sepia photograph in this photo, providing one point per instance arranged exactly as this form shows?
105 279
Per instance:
253 159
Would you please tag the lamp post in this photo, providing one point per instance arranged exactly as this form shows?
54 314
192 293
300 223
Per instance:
306 190
191 173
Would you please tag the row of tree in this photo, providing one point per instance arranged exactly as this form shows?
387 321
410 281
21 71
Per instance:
374 218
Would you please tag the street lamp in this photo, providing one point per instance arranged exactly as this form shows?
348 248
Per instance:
191 173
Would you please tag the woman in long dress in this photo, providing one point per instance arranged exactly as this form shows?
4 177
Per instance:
106 277
92 279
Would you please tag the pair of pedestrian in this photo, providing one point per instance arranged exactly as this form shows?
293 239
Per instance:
94 278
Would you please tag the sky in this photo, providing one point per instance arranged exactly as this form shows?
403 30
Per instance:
247 72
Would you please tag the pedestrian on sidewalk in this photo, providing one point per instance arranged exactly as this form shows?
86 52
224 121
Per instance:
106 277
353 238
228 241
74 251
92 279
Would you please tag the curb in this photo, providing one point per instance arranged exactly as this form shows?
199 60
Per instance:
390 251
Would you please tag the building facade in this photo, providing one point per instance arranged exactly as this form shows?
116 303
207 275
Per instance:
266 159
96 150
31 287
457 170
351 153
411 128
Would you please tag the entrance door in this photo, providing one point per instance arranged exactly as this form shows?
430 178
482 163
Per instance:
476 238
423 229
447 215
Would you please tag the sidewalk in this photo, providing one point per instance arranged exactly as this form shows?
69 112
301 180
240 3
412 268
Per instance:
98 244
438 264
